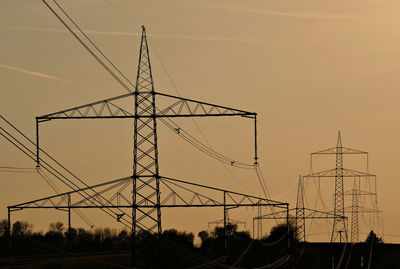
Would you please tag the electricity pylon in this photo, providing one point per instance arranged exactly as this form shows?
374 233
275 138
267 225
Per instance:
339 224
354 213
298 215
300 211
339 228
144 198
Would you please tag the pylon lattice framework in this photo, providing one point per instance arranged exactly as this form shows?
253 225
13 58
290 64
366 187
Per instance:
145 200
339 173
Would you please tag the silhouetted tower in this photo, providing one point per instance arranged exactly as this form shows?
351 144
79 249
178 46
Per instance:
339 225
259 223
354 213
145 150
300 211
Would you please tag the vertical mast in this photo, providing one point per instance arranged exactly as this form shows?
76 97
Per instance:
339 225
145 151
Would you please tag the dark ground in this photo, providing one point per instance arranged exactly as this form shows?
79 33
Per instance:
308 255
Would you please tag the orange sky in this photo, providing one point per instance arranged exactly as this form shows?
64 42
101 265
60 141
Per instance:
307 68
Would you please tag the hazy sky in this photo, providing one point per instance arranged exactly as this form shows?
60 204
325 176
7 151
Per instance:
308 68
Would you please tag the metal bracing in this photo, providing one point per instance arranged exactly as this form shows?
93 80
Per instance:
308 214
176 193
292 215
300 211
136 201
146 177
354 213
115 196
339 227
228 220
346 173
356 208
259 224
119 107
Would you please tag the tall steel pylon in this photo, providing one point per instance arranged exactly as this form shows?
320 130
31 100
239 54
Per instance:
300 211
145 150
354 213
150 191
339 173
339 225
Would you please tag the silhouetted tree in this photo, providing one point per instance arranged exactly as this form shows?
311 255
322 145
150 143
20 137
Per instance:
3 227
280 230
123 235
372 238
178 237
203 235
57 227
21 228
231 229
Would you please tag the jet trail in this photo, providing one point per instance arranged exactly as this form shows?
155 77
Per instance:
33 73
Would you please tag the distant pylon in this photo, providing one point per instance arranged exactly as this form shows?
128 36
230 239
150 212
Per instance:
259 223
339 225
354 213
300 211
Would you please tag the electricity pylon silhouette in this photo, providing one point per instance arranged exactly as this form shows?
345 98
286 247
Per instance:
354 213
339 228
300 211
339 225
145 199
146 177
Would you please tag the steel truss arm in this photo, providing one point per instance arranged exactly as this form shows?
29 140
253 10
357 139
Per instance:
178 193
309 214
118 107
335 150
346 173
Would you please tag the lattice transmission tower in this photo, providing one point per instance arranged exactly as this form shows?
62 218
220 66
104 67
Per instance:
297 216
145 192
339 173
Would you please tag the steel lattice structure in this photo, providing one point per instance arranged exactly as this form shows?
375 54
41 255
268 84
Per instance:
291 215
141 192
298 215
339 173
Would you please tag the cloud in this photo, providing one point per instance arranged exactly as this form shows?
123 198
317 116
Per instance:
299 15
33 73
165 36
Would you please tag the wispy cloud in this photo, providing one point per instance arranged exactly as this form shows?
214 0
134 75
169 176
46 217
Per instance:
166 36
33 73
299 15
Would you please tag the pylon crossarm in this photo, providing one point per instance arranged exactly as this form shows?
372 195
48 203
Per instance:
362 209
335 150
183 107
277 215
107 108
360 192
221 221
120 106
60 200
190 193
346 173
316 214
309 214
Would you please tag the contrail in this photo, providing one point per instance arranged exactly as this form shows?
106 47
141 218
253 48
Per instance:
167 36
32 73
299 15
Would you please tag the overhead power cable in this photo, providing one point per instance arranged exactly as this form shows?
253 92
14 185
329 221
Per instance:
73 186
126 87
118 71
167 244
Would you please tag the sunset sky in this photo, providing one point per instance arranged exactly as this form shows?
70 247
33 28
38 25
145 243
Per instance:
308 68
